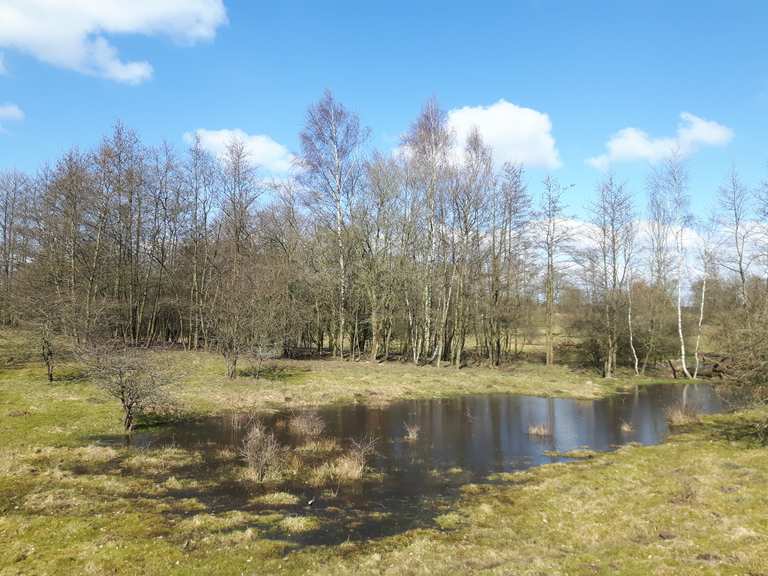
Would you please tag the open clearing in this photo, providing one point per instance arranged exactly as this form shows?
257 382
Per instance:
694 505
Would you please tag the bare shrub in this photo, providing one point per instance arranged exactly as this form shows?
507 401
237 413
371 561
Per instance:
263 453
306 423
129 376
541 430
412 431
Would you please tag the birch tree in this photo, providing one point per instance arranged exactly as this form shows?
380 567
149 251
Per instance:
332 147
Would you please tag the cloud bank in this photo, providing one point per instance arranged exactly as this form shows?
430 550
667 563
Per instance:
631 144
72 34
262 149
518 135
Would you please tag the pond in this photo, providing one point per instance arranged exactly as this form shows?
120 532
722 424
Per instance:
460 440
477 434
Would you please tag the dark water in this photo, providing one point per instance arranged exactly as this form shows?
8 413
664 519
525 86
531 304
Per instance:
478 434
461 440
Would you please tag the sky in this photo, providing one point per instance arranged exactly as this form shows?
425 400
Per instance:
571 88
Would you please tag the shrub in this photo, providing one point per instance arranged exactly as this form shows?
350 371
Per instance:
263 453
128 376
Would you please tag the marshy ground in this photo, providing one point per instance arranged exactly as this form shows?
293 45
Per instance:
72 503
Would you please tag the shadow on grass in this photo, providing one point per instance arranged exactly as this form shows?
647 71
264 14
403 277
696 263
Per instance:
752 430
273 372
334 514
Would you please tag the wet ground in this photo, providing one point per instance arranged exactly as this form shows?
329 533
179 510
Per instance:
460 440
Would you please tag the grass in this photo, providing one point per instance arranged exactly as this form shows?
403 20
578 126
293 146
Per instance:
541 430
70 504
411 431
679 416
298 384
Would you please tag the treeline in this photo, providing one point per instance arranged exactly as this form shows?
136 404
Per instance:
431 255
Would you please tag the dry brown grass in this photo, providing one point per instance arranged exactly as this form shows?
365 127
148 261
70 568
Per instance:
682 416
540 430
306 423
412 432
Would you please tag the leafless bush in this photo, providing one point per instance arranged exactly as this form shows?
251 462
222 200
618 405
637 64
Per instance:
263 453
128 375
307 423
411 431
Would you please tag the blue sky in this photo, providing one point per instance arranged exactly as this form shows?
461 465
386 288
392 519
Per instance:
590 68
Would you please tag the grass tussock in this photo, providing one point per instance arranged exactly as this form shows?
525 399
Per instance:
539 430
411 432
350 466
682 416
319 446
298 524
307 423
277 499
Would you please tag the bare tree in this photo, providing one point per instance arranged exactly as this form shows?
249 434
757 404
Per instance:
735 204
429 143
613 220
232 302
553 238
331 144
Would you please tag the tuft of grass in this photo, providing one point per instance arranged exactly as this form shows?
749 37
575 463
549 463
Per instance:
277 499
319 446
539 430
682 416
298 524
349 467
411 432
307 423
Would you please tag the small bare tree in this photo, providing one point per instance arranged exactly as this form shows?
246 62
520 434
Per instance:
46 349
128 376
554 236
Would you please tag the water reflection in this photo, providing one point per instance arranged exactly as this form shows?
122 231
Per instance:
478 434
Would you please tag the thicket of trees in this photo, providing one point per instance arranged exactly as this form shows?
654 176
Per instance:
433 255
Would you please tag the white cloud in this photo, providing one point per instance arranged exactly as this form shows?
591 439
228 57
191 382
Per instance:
11 113
3 67
262 149
72 34
630 144
518 135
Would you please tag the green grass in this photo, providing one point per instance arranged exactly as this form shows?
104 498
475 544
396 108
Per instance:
694 505
304 383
